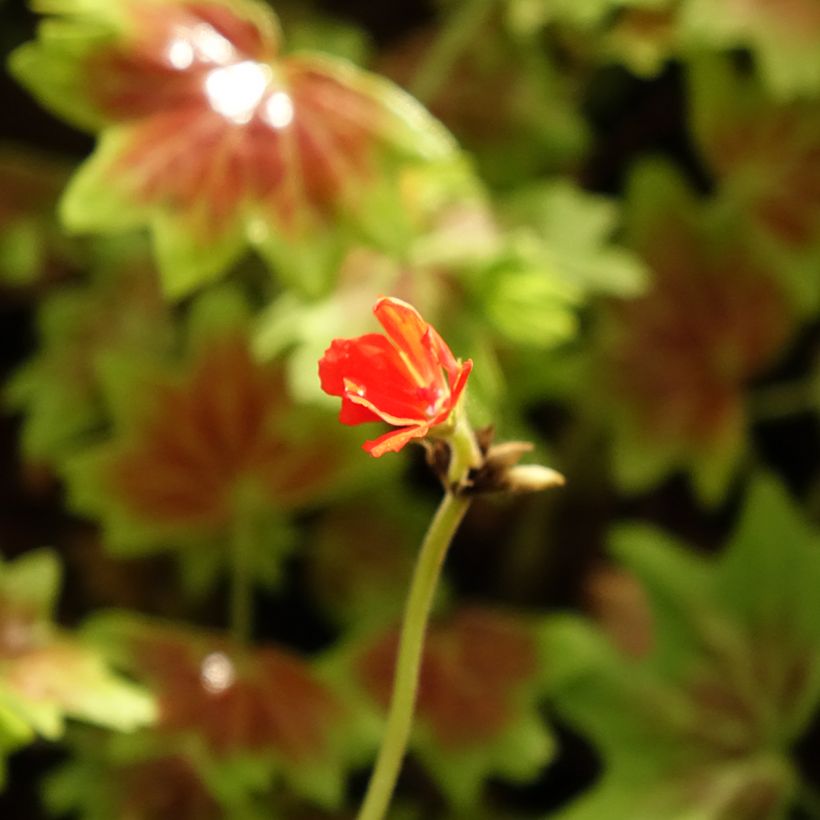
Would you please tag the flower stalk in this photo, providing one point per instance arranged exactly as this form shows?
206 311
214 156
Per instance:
465 454
399 723
409 378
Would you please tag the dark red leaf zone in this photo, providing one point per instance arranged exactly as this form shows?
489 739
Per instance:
218 127
260 701
473 669
346 569
740 702
679 356
225 425
778 150
736 696
30 186
163 788
126 312
799 19
461 98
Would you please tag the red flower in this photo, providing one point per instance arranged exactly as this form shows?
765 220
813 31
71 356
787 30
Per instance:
398 377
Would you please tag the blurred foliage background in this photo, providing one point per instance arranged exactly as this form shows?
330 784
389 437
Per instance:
611 206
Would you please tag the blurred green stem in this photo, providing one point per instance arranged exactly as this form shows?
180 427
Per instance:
464 450
411 644
241 593
456 33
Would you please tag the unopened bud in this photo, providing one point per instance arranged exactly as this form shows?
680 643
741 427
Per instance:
532 478
508 453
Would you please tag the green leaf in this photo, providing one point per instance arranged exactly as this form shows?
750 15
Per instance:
47 674
529 306
702 727
150 478
477 712
784 39
313 158
575 230
715 318
30 245
107 775
118 313
30 584
775 543
302 734
765 186
528 16
679 584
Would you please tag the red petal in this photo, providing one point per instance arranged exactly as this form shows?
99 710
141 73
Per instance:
460 381
352 413
443 355
370 368
331 367
393 441
410 334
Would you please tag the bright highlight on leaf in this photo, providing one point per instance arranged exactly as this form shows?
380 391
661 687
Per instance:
234 713
212 138
237 701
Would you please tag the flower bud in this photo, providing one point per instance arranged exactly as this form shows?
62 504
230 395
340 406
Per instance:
531 478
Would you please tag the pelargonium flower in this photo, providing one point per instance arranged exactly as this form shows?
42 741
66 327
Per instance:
407 377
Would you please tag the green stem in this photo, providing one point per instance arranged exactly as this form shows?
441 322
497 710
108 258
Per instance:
411 643
464 451
454 37
241 593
